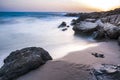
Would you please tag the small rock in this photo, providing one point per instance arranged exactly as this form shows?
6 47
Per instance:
63 24
64 29
68 26
98 55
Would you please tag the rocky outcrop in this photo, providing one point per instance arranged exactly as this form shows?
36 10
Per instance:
113 19
101 25
22 61
73 14
111 31
97 15
98 29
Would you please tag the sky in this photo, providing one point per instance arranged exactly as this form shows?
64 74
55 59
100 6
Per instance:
58 5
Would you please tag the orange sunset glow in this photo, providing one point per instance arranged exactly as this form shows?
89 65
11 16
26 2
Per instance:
59 5
103 5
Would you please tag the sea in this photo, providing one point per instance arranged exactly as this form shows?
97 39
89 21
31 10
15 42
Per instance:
39 29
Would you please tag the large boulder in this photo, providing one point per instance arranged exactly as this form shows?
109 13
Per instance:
22 61
85 27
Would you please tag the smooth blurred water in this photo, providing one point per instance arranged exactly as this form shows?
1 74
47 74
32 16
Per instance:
20 30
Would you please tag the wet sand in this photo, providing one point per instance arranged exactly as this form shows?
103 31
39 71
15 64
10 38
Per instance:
76 65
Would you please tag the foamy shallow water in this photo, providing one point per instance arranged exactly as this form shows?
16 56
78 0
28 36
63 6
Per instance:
21 32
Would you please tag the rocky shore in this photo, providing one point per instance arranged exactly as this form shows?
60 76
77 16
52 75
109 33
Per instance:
82 65
99 25
95 14
76 65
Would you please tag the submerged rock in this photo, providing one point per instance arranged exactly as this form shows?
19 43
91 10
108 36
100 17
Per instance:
22 61
63 24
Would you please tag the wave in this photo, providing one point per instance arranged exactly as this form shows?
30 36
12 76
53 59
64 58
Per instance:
30 14
17 17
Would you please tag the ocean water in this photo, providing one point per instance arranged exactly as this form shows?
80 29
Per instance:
27 29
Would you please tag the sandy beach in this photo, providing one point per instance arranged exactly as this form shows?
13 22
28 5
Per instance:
76 65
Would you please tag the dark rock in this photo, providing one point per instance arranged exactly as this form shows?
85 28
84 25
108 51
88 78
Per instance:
64 29
109 69
63 24
98 35
107 30
82 17
74 22
113 19
73 14
97 15
106 72
119 40
22 61
98 55
113 33
85 27
68 26
108 22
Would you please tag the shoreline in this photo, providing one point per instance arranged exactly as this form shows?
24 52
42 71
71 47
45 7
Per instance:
76 65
